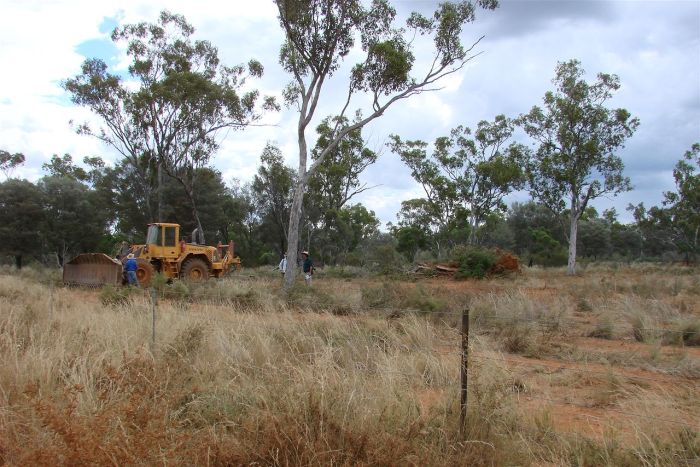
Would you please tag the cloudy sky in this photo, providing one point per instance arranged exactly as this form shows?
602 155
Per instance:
653 46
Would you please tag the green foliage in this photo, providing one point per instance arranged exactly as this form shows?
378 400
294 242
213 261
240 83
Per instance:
333 183
9 162
545 250
272 189
577 138
171 119
75 220
465 177
676 224
22 219
178 290
319 36
474 262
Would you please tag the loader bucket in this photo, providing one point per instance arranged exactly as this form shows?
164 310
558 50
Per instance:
92 269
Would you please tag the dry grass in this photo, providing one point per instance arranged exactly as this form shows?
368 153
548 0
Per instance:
351 372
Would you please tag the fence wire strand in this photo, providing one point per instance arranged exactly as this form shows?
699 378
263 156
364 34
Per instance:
563 366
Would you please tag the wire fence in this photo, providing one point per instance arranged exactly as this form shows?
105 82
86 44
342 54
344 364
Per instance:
557 366
483 324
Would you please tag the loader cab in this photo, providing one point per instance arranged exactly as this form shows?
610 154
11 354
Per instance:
162 240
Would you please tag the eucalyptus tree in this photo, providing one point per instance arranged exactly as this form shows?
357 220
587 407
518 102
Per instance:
319 36
9 162
577 137
272 189
21 219
684 203
183 99
465 175
677 222
74 221
334 183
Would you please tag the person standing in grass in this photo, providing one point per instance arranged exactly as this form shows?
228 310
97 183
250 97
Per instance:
283 264
308 267
130 267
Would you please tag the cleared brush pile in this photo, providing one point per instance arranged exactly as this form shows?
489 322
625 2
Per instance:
473 263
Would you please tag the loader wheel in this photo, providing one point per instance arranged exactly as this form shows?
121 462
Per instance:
144 272
195 270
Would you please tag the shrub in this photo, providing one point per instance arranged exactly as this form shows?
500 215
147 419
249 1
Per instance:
474 262
178 290
419 298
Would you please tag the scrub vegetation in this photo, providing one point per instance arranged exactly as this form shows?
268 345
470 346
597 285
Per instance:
355 370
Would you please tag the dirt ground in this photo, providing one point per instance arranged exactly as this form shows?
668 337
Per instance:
585 385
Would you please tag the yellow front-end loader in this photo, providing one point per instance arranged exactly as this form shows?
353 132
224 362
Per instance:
163 252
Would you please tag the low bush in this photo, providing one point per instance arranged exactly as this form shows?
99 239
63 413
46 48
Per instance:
474 262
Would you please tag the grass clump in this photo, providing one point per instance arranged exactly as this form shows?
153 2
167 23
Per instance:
604 329
224 292
390 295
116 296
690 332
684 332
317 300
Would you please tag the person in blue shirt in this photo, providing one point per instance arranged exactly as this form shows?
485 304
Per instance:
308 267
130 267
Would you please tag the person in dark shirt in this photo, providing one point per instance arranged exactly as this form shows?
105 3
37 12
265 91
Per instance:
130 267
308 267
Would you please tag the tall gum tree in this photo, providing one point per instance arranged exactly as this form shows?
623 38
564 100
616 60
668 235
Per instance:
466 176
577 137
675 224
182 100
319 35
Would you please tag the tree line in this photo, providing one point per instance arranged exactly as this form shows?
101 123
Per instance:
93 207
167 117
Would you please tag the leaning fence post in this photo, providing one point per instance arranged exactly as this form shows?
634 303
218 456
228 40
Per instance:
154 305
464 372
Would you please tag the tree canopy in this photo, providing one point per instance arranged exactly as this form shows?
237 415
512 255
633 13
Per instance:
185 97
319 35
577 138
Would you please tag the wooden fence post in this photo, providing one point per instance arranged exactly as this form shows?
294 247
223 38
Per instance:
464 372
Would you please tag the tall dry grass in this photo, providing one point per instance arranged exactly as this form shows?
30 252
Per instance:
240 374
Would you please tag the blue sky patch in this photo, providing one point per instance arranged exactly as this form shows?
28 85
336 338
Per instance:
108 24
103 49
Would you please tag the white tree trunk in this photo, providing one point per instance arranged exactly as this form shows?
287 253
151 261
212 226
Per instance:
573 232
295 215
293 239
